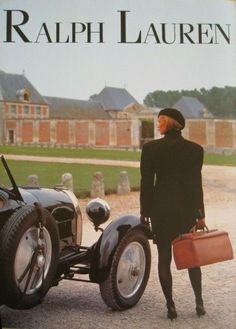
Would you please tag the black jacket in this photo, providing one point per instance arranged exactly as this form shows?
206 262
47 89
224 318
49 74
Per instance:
171 185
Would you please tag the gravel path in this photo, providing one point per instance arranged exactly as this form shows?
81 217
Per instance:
79 305
103 162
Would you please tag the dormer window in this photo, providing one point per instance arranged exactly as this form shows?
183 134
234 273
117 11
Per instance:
26 97
23 95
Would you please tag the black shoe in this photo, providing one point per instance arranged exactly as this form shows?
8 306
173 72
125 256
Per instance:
200 310
171 312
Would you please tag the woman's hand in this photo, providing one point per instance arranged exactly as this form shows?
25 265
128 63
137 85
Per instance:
144 220
200 225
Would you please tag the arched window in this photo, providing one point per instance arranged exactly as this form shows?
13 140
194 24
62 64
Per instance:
23 95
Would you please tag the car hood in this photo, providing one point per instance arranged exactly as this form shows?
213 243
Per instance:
46 196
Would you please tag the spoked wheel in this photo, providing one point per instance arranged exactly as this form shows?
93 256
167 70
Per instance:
129 272
28 256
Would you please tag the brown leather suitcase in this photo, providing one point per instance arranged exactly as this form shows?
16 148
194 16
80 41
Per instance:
201 248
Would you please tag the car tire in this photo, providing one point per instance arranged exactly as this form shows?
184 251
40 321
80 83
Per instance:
28 257
129 272
1 285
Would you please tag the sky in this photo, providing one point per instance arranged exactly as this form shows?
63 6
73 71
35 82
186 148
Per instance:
81 69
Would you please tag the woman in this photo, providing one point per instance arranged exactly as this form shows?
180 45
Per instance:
172 197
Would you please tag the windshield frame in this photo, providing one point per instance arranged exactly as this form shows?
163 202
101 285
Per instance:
15 189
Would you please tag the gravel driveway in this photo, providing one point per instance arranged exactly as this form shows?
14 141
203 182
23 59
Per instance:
79 305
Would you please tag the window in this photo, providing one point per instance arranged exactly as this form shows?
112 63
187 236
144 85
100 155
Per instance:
26 96
23 95
26 110
13 109
38 111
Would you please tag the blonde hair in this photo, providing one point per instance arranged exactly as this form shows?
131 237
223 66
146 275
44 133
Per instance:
172 123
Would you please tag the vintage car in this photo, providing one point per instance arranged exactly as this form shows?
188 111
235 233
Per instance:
40 245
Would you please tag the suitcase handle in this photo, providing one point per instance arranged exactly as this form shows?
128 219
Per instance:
195 229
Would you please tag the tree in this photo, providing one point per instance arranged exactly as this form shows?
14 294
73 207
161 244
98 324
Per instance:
161 98
221 102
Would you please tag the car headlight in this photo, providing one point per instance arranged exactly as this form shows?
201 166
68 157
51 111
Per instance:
98 211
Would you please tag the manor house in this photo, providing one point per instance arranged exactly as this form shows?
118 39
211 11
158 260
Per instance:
111 119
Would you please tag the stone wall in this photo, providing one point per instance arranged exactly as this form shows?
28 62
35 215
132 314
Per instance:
99 133
1 124
214 134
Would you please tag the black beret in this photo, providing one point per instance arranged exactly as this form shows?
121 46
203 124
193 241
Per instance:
174 114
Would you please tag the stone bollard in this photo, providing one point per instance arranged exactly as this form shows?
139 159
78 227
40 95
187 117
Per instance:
33 181
124 184
97 189
67 181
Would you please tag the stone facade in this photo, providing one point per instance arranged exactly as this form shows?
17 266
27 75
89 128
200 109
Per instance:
213 134
90 133
216 135
1 122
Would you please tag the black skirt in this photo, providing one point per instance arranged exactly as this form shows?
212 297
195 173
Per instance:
166 229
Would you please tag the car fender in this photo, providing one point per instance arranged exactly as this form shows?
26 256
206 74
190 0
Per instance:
104 249
7 206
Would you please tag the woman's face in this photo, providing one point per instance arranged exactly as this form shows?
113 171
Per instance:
162 124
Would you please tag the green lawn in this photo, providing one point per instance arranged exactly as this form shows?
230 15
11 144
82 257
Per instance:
85 153
50 173
220 160
211 159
